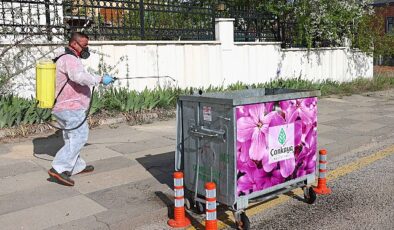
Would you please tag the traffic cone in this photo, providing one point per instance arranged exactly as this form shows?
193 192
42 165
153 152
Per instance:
322 188
180 220
210 198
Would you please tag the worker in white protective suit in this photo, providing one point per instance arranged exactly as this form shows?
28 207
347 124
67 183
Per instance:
73 90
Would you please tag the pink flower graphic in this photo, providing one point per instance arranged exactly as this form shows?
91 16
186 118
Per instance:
255 128
272 178
243 161
253 124
305 109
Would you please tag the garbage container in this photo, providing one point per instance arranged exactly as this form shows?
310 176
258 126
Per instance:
254 144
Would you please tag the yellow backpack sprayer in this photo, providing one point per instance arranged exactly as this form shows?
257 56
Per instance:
45 83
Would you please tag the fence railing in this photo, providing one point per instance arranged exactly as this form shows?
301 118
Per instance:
31 17
133 19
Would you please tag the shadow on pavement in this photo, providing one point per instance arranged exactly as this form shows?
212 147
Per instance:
295 196
48 146
161 166
168 201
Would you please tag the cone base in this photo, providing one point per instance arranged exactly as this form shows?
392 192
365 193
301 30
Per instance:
322 190
211 225
179 224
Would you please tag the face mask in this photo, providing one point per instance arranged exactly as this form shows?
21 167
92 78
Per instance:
85 53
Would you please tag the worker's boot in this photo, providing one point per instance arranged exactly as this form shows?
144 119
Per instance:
62 178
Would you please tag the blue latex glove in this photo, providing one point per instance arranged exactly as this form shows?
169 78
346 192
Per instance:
107 79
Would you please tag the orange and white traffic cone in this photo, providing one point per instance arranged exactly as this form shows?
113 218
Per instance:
180 220
322 188
210 199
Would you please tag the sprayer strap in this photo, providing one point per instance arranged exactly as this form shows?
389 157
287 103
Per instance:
68 79
57 58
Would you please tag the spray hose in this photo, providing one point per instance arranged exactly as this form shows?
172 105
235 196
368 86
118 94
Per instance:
69 129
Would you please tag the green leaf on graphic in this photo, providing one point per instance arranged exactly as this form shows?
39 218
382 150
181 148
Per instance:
282 136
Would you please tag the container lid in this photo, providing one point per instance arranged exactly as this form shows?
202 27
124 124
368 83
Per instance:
250 96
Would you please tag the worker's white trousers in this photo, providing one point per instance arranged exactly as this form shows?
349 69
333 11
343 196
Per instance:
67 158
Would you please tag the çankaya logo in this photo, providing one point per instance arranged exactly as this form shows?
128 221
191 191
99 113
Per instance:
281 142
282 136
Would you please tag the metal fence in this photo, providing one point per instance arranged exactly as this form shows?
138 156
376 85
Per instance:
143 20
133 19
34 17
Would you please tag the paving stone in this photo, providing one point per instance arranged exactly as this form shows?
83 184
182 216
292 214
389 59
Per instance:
109 164
45 162
26 198
162 128
50 214
4 148
98 181
8 161
21 151
17 168
22 182
89 222
134 147
124 134
136 193
99 153
152 151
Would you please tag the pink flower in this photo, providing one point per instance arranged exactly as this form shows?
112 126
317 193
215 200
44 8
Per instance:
306 154
255 128
305 109
243 161
250 181
242 111
272 178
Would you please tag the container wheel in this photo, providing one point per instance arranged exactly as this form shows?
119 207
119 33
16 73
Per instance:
243 223
188 203
310 195
200 207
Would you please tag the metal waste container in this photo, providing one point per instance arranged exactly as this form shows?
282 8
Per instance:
254 144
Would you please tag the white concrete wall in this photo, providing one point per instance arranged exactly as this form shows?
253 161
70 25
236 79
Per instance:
216 63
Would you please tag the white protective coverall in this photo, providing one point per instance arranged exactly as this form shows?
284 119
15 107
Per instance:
70 109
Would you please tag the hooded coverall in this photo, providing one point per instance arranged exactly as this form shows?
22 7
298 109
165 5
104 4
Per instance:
69 111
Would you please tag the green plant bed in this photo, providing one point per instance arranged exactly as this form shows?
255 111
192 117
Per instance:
15 111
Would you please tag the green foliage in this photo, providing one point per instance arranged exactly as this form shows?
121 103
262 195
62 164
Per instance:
317 23
370 36
16 111
123 100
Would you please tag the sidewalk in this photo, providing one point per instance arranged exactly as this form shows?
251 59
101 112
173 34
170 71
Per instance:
131 185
